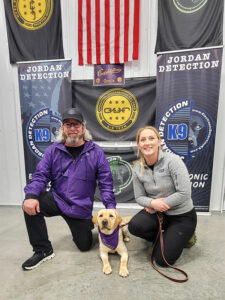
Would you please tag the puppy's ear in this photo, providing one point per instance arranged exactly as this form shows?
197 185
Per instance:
118 220
95 220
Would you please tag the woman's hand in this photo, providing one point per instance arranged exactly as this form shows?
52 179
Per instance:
149 210
159 205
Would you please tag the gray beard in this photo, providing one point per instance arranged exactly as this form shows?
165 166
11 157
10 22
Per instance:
73 140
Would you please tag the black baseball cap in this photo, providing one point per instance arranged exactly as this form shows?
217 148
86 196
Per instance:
72 113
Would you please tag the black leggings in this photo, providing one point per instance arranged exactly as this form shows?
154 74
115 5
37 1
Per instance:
178 229
37 230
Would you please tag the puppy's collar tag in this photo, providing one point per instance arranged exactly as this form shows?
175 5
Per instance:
110 240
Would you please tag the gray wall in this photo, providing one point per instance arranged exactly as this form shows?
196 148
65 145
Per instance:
12 174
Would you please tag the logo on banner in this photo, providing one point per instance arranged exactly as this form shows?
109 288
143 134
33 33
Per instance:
187 6
185 129
42 130
109 74
117 110
32 15
121 172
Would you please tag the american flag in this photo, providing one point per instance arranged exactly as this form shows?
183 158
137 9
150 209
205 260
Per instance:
108 31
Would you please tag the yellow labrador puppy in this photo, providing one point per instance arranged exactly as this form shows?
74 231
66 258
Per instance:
112 234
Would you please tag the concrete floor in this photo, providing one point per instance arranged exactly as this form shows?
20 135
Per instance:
75 275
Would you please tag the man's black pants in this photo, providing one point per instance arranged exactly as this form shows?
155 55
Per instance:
178 229
37 229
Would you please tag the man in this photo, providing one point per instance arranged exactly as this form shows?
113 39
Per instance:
73 165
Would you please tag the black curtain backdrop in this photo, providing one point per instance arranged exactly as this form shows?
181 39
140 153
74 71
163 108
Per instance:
85 97
121 162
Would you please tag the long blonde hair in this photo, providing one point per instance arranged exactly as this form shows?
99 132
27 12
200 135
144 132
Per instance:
141 159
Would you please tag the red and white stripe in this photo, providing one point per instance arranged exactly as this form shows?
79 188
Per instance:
108 31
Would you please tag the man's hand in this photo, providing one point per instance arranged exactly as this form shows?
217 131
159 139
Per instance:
159 205
31 206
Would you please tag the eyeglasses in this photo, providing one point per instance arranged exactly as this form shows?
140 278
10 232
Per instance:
69 125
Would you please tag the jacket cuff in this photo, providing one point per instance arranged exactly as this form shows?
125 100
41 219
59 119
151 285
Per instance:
30 196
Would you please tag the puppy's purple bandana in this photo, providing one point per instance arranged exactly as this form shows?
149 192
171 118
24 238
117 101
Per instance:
110 240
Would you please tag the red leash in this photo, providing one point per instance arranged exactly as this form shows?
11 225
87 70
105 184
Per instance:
160 234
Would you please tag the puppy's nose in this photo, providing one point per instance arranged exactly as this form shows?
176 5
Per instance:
104 223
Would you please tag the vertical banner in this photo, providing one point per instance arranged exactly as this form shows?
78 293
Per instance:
45 91
186 24
187 95
34 30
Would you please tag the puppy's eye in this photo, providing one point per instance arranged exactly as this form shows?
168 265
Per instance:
111 216
100 216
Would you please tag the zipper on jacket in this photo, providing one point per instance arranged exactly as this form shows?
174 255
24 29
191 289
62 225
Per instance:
153 176
75 160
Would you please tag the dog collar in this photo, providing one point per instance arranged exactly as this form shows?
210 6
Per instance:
110 240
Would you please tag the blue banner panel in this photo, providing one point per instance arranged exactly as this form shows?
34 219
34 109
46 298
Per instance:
45 91
186 112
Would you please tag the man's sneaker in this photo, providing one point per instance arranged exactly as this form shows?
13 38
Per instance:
38 258
192 241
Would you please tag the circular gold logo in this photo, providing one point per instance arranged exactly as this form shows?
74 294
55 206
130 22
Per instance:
32 14
117 110
188 7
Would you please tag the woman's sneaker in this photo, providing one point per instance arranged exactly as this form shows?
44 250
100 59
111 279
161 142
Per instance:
38 258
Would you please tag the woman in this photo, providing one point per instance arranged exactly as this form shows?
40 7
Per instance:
161 184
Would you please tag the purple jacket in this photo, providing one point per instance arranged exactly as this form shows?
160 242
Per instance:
73 182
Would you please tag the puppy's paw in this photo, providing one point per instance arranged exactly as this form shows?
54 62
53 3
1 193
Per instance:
123 272
107 270
126 239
